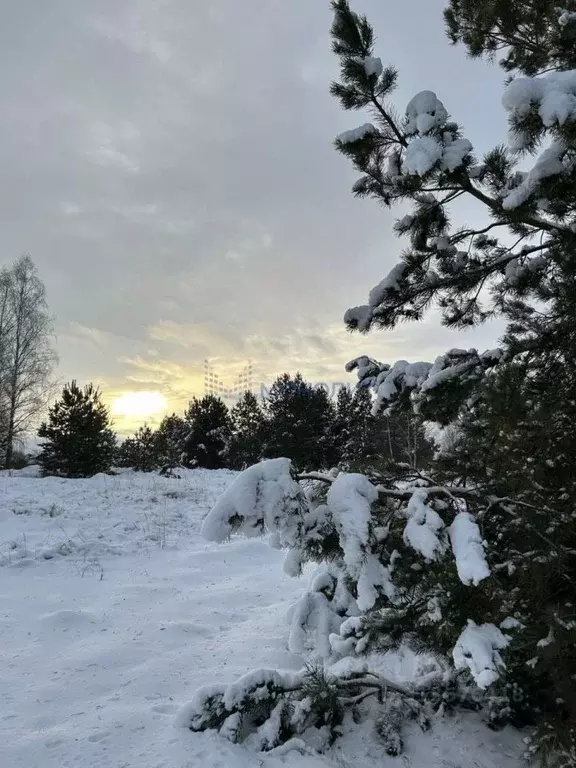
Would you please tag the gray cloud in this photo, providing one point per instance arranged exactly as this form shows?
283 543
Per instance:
169 165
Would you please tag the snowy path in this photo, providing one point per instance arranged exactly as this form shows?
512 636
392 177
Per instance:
101 646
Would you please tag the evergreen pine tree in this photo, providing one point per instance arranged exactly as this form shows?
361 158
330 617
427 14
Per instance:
341 425
170 438
208 440
363 430
508 409
248 431
140 451
126 453
474 558
355 429
300 421
534 35
78 437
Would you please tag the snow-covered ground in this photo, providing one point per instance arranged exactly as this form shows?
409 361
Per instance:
113 611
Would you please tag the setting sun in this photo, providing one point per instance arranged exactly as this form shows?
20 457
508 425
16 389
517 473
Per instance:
139 404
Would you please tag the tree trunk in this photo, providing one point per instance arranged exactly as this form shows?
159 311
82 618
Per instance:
11 421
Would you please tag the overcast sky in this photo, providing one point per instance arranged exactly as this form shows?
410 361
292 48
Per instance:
169 166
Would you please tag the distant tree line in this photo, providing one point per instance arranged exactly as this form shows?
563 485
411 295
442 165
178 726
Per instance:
296 420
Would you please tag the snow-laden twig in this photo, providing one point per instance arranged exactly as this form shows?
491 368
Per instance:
317 476
434 490
380 683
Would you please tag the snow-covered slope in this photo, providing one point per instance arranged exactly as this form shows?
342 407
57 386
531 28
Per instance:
113 611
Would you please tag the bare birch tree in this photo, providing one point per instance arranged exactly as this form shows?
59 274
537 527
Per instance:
27 357
5 333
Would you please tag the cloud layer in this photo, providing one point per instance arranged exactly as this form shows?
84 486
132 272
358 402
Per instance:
169 166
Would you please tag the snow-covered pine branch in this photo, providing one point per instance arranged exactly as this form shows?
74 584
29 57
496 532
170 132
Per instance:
436 390
268 709
357 533
425 159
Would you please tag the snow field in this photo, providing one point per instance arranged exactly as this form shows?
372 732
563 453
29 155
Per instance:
114 611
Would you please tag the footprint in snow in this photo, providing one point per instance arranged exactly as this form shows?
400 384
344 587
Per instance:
98 736
187 627
165 709
67 619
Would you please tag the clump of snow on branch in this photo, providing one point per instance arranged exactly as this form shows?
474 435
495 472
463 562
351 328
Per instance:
319 612
422 154
546 641
193 713
367 369
424 112
468 549
554 94
235 693
349 500
566 17
360 317
345 643
454 152
424 527
511 623
372 66
402 375
263 497
373 578
356 134
477 649
441 372
389 283
517 268
549 163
